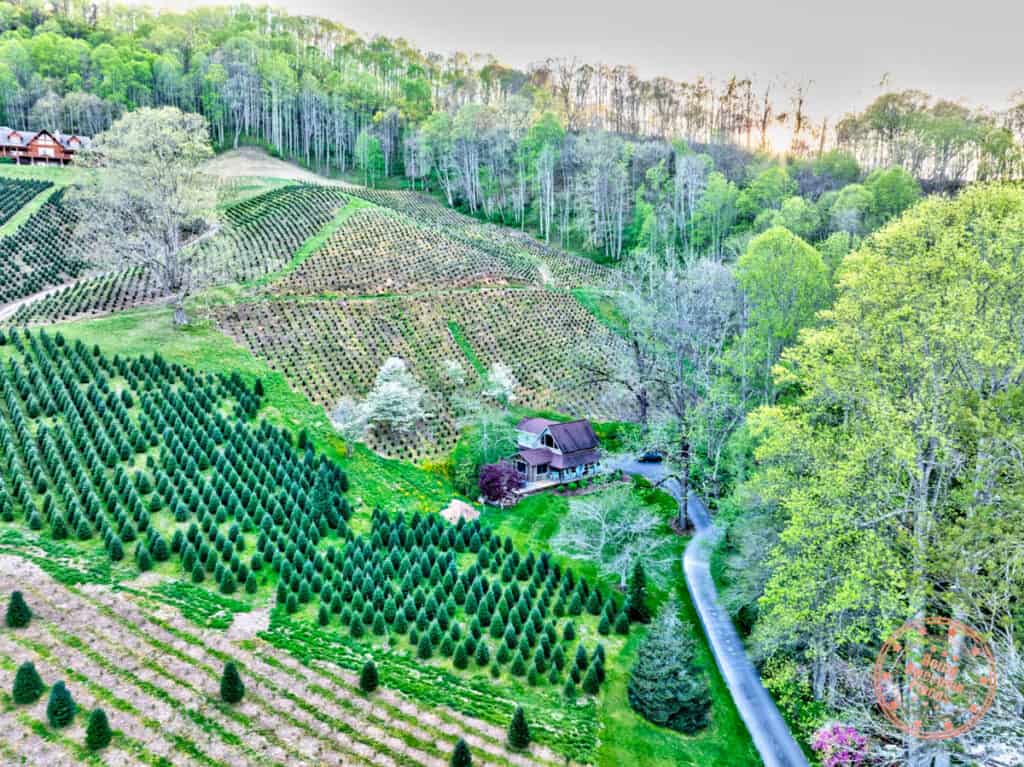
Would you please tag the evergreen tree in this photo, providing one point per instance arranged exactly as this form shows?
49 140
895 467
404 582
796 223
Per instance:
483 655
461 658
18 613
425 649
231 686
519 730
368 678
591 682
61 708
461 756
665 686
639 612
27 684
97 734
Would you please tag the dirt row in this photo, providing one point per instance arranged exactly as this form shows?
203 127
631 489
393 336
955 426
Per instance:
157 677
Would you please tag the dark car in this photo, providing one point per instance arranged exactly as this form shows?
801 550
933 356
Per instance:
651 456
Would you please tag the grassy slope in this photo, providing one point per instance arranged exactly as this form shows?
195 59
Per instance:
376 481
625 736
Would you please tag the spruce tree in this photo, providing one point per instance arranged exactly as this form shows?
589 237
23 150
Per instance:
425 649
519 730
97 734
231 686
461 756
461 658
665 685
482 655
368 678
591 682
28 686
60 710
639 612
18 613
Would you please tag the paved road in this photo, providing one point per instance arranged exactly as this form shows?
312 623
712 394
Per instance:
768 730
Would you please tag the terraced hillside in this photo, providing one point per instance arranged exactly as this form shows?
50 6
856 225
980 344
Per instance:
553 265
157 676
42 253
328 348
259 235
115 466
16 193
377 251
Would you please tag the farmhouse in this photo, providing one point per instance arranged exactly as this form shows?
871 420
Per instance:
556 452
28 146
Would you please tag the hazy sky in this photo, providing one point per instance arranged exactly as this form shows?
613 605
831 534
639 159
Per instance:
960 50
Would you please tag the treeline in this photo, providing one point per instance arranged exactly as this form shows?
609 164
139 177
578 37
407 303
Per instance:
313 90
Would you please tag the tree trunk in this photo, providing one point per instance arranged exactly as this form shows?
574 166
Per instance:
180 318
683 521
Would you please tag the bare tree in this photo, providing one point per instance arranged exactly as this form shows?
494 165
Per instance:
614 530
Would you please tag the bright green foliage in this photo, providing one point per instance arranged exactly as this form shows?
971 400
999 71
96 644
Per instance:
765 192
665 686
61 708
785 283
18 613
28 686
232 689
893 459
97 733
894 190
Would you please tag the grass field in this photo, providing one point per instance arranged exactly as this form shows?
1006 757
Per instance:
625 734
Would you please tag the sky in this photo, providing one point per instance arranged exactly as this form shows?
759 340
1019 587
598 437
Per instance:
964 51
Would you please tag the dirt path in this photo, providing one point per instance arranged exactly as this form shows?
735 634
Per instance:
248 162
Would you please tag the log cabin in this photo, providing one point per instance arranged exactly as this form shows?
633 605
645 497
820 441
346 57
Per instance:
31 147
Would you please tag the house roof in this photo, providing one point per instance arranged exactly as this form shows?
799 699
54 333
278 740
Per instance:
22 138
574 435
534 425
538 456
535 456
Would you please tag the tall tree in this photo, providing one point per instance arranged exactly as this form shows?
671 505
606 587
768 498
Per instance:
665 685
147 202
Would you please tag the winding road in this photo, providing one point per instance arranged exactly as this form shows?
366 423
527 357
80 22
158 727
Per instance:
768 730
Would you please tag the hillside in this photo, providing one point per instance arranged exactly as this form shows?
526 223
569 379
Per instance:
168 460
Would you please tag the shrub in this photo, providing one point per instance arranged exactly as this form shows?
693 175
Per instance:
519 730
497 480
28 686
368 677
97 734
231 686
639 612
18 613
61 708
461 756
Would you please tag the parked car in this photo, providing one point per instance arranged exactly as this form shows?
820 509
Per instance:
651 456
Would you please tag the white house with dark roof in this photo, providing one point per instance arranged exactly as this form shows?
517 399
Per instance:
555 451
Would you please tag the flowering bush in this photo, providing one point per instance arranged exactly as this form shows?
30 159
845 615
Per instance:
840 745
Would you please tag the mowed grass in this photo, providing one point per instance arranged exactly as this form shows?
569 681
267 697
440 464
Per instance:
626 737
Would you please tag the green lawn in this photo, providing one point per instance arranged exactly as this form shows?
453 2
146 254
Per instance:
627 738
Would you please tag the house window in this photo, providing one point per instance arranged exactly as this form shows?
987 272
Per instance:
542 469
521 467
548 440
